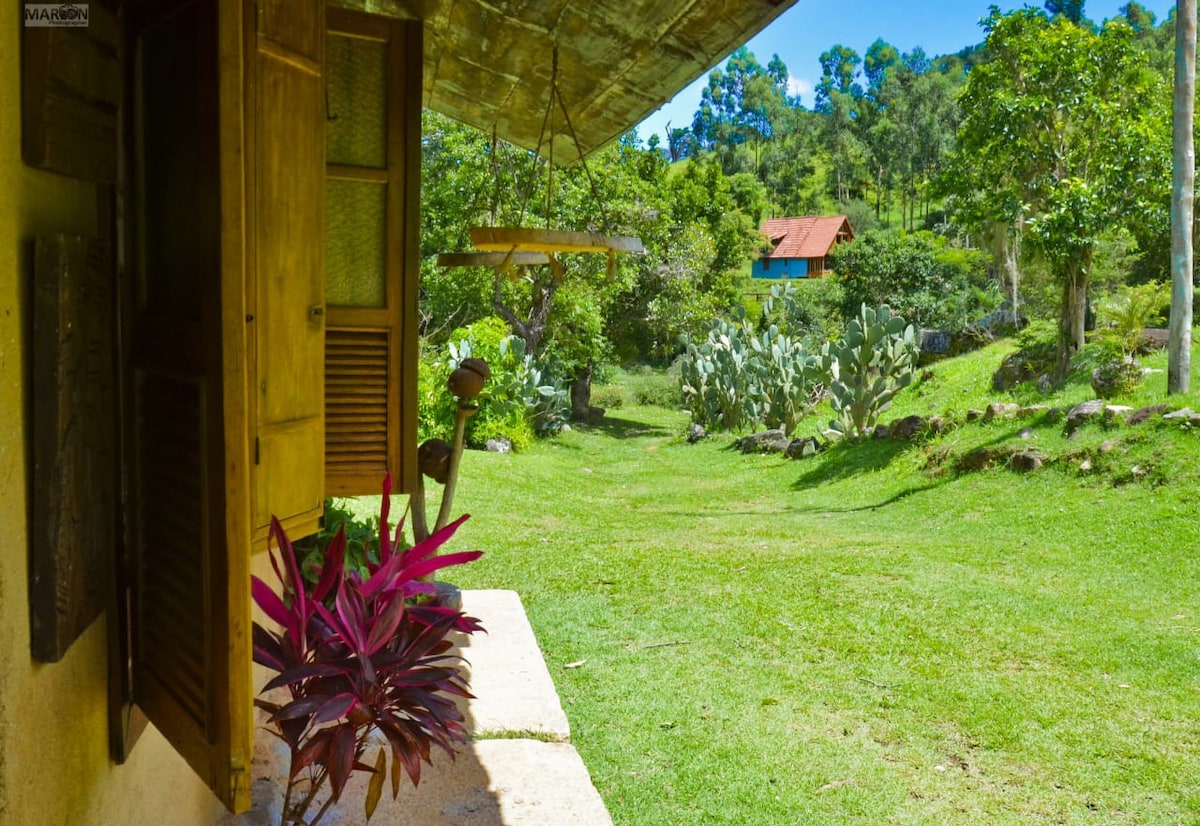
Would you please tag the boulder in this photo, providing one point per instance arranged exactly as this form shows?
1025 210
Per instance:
974 415
1184 415
1000 410
1025 461
1083 412
695 434
1116 412
881 431
1107 446
1029 411
499 445
935 424
907 427
1144 414
766 441
1153 338
803 448
1016 368
979 458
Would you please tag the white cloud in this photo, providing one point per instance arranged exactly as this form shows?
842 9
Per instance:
799 87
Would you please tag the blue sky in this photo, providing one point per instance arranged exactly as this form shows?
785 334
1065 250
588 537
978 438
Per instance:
810 27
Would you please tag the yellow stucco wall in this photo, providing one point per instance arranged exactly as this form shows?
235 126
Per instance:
54 763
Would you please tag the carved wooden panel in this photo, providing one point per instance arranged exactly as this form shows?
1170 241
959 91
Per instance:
74 441
71 87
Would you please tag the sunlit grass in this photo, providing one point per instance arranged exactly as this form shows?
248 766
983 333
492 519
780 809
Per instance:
854 639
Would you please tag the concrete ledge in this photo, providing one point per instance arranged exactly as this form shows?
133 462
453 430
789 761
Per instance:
493 782
514 693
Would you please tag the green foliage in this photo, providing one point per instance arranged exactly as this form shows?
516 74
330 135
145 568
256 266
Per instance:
873 361
435 405
1117 377
1125 315
362 541
919 275
521 399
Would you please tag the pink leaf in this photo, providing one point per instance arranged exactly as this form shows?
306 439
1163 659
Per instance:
385 625
270 603
349 610
334 567
341 757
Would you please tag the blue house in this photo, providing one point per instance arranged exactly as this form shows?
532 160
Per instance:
800 246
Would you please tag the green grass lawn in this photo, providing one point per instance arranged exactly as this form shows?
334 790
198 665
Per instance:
856 638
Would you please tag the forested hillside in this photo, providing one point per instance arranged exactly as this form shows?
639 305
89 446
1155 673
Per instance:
1032 168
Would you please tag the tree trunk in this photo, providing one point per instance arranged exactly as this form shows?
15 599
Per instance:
531 329
1004 243
1075 278
581 393
1179 341
878 191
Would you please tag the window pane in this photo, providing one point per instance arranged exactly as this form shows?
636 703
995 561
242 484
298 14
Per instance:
356 73
356 238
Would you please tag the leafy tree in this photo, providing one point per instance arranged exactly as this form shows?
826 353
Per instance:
1065 128
742 104
1070 9
918 275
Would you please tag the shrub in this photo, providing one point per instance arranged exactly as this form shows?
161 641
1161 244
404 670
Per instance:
361 540
1125 315
520 400
359 654
920 275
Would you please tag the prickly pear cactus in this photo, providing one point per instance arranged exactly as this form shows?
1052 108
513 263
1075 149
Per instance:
874 360
738 379
715 378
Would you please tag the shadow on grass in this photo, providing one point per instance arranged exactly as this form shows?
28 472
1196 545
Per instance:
624 428
846 460
891 500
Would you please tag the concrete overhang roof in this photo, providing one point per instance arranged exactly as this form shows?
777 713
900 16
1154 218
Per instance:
489 63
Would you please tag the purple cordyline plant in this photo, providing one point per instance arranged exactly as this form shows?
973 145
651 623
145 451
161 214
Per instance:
359 655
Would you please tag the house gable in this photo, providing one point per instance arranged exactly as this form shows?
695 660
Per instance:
801 245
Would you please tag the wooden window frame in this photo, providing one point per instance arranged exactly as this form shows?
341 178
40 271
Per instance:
397 319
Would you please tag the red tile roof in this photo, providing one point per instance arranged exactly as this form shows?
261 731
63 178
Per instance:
809 236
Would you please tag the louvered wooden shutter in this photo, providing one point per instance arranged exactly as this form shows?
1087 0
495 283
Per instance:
285 156
372 194
183 612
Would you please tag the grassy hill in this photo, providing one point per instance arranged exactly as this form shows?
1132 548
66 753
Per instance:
867 636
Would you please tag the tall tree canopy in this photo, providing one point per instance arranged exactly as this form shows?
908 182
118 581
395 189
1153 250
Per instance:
1068 126
1070 9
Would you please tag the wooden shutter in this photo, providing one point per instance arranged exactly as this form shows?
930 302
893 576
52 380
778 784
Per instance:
183 603
285 159
372 197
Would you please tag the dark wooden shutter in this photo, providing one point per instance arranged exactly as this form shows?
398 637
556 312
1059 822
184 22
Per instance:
183 605
373 160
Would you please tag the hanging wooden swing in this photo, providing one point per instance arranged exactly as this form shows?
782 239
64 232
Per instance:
508 250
